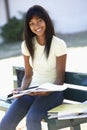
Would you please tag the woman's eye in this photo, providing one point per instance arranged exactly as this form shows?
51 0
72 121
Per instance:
31 24
36 23
40 20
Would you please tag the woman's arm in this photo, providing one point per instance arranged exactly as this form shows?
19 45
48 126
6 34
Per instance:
60 69
27 76
28 73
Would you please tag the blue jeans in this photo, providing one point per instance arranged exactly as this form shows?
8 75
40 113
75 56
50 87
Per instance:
33 107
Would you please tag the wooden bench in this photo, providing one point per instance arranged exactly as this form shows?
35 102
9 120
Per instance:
69 94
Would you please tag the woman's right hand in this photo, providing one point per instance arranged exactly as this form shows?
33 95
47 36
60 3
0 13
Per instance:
17 90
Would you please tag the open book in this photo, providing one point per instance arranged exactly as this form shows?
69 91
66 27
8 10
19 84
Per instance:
47 87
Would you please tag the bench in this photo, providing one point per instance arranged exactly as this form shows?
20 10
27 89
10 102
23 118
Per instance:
69 94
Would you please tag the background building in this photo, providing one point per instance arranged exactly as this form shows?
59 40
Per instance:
69 16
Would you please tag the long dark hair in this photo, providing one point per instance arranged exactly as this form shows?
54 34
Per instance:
39 11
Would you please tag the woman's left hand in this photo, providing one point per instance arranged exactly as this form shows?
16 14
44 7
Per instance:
39 93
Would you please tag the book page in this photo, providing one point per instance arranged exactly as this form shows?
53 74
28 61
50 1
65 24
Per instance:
51 87
21 93
47 87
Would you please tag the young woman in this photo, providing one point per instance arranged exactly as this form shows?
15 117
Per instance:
45 61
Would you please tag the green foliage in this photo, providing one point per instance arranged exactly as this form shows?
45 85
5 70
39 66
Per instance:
13 30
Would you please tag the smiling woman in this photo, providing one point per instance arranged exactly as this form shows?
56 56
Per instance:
44 61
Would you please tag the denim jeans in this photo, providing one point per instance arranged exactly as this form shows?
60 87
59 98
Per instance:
33 107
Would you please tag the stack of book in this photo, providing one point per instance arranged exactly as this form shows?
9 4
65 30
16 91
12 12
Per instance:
68 111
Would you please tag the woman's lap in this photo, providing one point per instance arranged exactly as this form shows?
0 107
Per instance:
35 108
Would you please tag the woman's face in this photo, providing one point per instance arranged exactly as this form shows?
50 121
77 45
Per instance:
37 26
